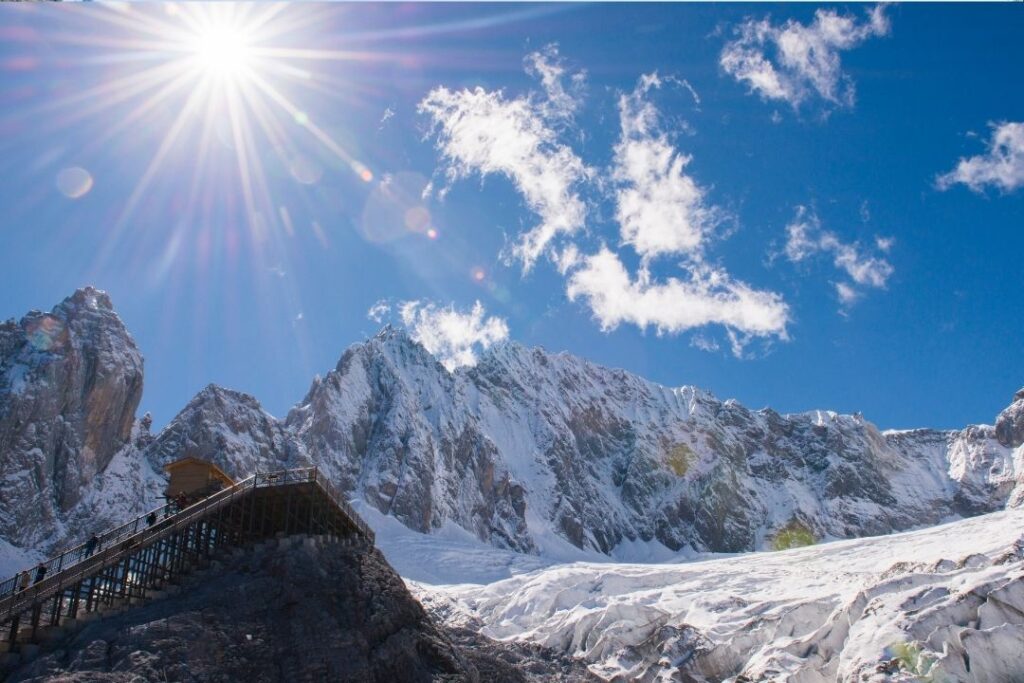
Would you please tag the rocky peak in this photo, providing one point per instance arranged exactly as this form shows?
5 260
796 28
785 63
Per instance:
1010 423
70 382
229 428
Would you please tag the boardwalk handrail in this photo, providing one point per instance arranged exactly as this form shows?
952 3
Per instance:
313 474
74 564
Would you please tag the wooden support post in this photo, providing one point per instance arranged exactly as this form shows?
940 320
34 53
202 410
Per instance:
58 603
12 637
37 612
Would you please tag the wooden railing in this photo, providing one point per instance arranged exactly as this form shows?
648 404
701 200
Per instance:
77 563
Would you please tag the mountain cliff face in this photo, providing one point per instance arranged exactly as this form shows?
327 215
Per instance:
530 451
230 428
70 383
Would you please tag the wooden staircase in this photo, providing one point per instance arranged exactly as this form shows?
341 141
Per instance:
139 561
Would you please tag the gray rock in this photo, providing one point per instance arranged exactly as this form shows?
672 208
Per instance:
1010 423
70 382
288 612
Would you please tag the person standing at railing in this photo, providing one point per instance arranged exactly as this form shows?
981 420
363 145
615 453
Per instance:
40 572
23 580
90 545
151 518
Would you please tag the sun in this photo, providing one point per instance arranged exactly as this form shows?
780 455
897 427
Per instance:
220 94
222 44
223 49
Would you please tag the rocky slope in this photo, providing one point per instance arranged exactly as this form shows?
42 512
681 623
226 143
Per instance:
70 384
528 445
298 609
531 451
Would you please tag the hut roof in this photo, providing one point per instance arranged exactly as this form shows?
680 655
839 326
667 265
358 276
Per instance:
192 460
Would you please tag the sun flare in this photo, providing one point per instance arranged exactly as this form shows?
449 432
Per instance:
223 49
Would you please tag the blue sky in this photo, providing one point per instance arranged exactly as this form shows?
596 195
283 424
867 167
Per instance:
792 209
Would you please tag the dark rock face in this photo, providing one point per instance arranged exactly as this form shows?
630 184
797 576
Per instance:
70 382
1010 423
298 609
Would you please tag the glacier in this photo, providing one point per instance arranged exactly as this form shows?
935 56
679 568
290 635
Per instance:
944 603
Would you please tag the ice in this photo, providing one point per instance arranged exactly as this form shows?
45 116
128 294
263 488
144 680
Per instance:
924 602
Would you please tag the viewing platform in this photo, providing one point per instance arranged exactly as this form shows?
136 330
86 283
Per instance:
144 558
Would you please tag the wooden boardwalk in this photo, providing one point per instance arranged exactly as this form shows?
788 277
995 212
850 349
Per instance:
139 559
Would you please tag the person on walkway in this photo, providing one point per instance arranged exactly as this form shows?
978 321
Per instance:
23 580
40 572
90 545
151 518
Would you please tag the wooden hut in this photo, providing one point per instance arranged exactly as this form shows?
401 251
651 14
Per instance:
194 478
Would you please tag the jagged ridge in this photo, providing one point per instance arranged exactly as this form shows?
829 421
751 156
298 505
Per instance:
529 450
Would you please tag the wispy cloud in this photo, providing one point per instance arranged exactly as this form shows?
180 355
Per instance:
563 99
705 296
1001 167
452 336
379 311
485 132
794 61
660 209
806 238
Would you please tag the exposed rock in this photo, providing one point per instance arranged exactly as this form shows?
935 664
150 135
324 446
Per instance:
230 429
529 445
70 382
1010 423
298 609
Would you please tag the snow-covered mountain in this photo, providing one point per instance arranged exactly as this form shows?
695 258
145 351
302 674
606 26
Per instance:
530 451
70 383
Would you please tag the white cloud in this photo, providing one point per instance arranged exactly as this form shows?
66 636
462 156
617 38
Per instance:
1002 166
793 61
450 335
707 296
485 132
847 294
379 311
660 209
704 343
547 65
805 238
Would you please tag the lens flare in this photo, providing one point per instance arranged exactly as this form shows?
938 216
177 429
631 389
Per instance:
74 182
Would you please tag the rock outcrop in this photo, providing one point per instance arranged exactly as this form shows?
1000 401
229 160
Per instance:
297 609
229 428
1010 423
70 383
